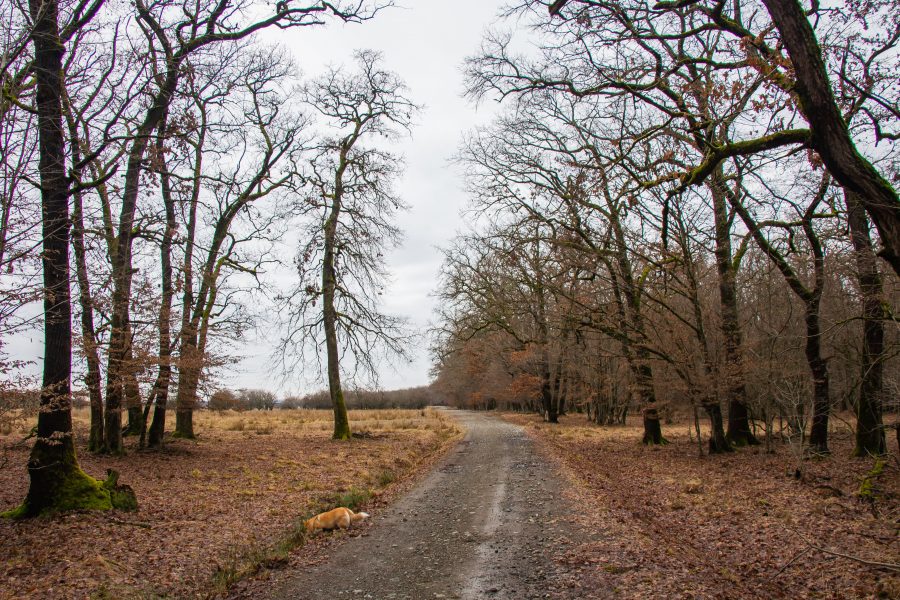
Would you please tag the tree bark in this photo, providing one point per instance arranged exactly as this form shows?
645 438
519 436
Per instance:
132 394
718 440
830 135
164 378
188 379
739 433
643 372
92 378
870 438
329 313
818 435
56 480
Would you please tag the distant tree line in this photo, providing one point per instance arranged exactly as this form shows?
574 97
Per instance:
412 398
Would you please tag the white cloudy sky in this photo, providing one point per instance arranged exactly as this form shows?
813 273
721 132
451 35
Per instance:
426 43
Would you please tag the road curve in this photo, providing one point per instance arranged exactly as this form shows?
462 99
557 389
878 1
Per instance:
489 522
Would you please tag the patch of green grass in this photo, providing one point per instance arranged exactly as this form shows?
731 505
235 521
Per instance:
353 498
386 477
868 489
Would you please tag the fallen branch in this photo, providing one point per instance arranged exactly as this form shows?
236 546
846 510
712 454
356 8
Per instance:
870 563
793 560
135 523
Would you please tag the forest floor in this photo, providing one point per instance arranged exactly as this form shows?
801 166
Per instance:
212 510
674 525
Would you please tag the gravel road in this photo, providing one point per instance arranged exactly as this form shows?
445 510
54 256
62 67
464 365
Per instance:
489 522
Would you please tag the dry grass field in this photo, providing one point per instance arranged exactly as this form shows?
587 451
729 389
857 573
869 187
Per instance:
739 525
212 510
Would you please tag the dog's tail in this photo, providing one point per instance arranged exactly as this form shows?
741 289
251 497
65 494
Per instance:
360 516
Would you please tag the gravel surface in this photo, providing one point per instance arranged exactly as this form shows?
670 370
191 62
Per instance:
490 522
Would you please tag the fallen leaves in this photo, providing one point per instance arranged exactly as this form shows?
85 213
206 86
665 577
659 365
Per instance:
205 505
675 525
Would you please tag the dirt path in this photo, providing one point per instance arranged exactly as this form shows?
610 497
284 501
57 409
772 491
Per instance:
489 522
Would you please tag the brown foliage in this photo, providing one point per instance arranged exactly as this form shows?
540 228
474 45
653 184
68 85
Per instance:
206 506
726 526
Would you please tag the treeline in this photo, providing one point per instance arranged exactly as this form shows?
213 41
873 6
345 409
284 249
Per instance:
688 205
411 398
355 399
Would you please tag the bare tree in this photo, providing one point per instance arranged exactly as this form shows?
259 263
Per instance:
240 105
349 205
174 34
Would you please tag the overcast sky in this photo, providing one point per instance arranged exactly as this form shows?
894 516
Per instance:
425 42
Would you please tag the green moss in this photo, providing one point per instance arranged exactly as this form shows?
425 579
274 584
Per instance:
14 513
80 491
75 490
122 497
868 490
65 487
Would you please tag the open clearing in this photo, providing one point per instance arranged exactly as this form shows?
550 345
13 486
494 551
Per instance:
519 509
211 510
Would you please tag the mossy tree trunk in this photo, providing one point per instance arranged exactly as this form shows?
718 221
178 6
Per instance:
164 378
56 480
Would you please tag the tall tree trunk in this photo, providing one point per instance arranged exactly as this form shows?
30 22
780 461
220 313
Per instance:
830 135
92 378
643 372
132 394
818 436
188 380
870 438
739 433
164 378
188 356
706 395
56 480
123 272
548 400
329 314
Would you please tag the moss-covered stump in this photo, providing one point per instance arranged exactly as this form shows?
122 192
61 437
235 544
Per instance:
69 488
122 497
